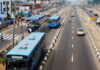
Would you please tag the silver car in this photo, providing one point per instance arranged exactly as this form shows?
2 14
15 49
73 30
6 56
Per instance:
80 32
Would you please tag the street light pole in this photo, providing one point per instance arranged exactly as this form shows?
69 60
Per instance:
13 26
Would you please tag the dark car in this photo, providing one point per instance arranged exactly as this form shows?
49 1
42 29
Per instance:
90 11
2 25
31 27
8 22
95 14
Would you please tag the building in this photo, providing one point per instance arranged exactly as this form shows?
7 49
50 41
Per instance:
5 7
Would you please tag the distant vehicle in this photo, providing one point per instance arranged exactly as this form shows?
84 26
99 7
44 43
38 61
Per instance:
98 21
48 15
72 15
51 12
95 14
34 22
55 11
90 11
54 21
74 10
3 25
8 22
26 55
80 32
32 26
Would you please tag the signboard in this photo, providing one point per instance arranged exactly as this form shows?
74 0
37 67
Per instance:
92 18
37 6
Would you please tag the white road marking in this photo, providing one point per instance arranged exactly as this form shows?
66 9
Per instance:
72 46
72 58
72 27
72 31
9 36
72 37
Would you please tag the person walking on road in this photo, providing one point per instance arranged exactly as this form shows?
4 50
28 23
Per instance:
1 36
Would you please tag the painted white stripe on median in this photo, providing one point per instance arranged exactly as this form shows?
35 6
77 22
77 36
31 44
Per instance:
72 37
72 31
72 58
72 46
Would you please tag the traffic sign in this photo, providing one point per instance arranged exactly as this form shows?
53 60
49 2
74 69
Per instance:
92 18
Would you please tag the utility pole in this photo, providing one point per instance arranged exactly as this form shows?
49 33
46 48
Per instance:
13 16
6 7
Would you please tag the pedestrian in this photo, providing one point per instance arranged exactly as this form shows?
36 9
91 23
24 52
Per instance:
69 20
3 62
18 23
1 36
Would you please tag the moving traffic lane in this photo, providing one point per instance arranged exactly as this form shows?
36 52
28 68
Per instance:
61 55
50 33
71 52
83 59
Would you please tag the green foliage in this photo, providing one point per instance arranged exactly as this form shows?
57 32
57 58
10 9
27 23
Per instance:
8 18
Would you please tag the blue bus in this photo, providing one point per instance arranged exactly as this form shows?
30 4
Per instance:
34 22
26 54
54 21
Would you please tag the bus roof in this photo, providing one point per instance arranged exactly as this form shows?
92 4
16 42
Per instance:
35 18
54 17
26 46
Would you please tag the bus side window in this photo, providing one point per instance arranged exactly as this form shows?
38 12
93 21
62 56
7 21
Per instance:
38 47
35 51
39 44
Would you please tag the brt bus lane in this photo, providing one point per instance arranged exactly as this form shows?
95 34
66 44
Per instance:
61 54
50 33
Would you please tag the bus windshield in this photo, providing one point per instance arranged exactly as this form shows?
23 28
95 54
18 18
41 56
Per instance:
16 65
32 24
52 21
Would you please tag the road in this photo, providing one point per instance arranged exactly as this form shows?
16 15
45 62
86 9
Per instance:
7 34
91 14
71 52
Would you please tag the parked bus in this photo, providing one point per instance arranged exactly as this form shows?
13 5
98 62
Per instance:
54 21
34 22
26 54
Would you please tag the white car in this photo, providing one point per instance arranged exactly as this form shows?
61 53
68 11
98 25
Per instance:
98 21
80 32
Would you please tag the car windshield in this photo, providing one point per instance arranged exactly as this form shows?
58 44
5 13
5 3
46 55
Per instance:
80 29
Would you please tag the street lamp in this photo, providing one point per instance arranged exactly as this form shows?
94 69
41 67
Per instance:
13 16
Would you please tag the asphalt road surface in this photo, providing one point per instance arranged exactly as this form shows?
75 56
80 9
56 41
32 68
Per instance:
72 52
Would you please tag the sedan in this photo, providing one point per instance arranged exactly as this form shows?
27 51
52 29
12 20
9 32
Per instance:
80 32
95 14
